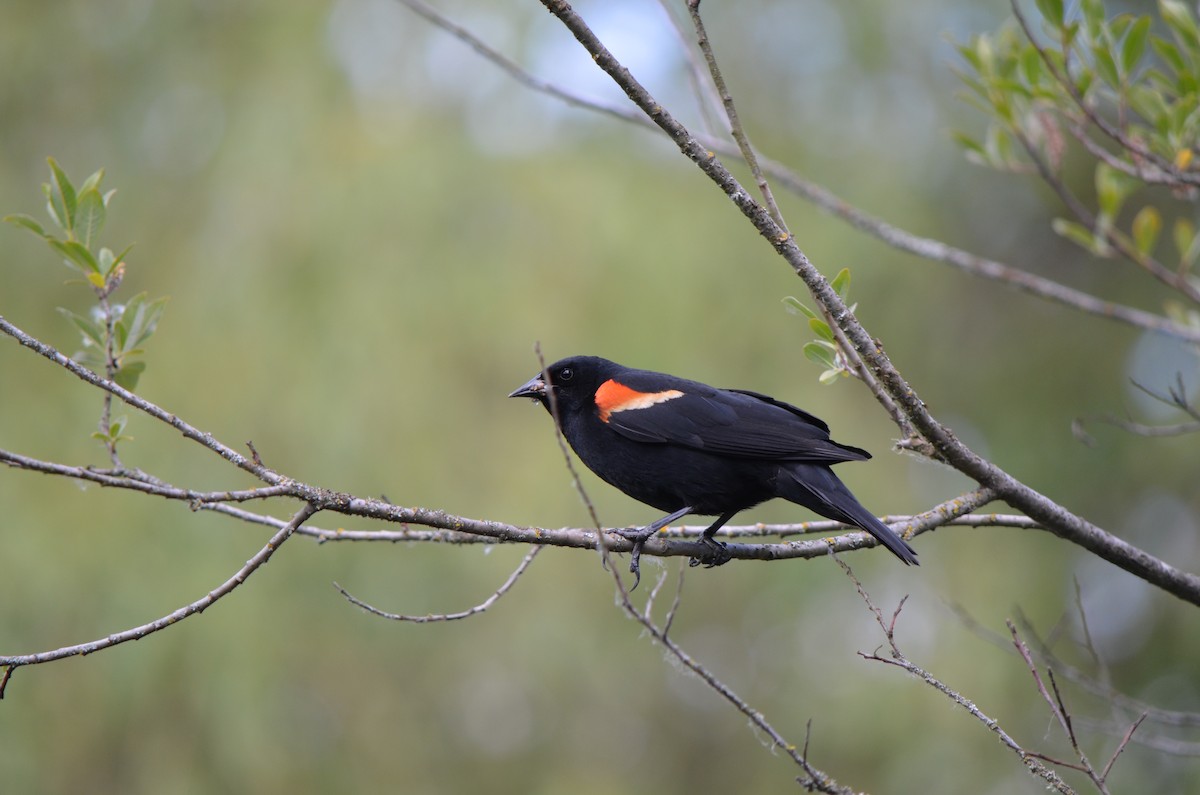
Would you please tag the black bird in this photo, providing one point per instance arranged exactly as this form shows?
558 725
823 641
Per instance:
686 447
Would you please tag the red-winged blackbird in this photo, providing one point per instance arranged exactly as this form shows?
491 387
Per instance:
686 447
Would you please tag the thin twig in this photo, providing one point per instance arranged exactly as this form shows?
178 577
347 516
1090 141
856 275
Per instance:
1058 709
110 371
435 617
897 658
137 633
552 401
1091 684
674 609
141 404
1121 746
735 124
816 779
1079 427
708 101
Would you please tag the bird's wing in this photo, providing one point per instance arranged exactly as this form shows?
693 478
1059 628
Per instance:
725 422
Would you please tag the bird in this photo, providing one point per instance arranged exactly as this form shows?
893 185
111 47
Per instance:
689 448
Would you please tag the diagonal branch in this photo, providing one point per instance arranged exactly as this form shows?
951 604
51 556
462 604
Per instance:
926 248
13 662
1057 519
145 406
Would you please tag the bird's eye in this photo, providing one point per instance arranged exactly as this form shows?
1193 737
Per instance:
565 375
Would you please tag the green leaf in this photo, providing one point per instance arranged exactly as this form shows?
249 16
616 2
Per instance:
998 145
61 195
106 260
92 332
1093 18
1177 15
841 282
129 374
829 376
820 354
90 215
1106 65
1147 224
1076 233
1112 188
1169 53
1052 11
92 182
1148 103
1187 243
138 322
1134 45
27 221
1032 67
794 305
821 328
974 149
119 258
78 256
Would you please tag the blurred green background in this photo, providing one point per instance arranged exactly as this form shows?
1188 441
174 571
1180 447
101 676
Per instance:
363 228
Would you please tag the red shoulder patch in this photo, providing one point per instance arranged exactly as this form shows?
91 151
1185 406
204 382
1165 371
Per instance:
613 396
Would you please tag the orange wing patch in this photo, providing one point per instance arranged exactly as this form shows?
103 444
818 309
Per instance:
613 396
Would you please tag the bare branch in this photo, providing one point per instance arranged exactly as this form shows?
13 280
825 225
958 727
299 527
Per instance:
816 780
1079 427
1058 708
1121 747
1089 683
198 606
145 406
435 617
735 124
897 658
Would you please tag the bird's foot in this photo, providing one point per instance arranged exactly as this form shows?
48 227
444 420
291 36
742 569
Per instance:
718 554
639 538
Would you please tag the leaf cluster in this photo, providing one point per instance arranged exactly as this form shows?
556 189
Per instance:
1126 87
824 349
113 335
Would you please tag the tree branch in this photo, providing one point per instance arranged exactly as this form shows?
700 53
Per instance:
436 617
1057 519
926 248
13 662
898 659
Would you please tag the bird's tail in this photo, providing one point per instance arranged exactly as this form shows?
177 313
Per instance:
818 489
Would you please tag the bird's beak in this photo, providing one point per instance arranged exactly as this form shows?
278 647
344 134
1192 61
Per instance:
534 388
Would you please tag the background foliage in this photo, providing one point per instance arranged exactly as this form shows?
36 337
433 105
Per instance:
362 229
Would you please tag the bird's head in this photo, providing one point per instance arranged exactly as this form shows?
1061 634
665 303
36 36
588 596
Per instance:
573 382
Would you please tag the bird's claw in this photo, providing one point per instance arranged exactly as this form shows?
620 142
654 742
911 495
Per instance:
718 554
638 537
635 563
